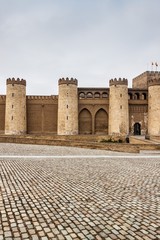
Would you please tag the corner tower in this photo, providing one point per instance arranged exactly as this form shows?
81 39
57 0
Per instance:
154 106
68 107
15 115
118 107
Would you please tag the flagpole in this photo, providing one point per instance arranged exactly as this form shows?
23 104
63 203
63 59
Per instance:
152 66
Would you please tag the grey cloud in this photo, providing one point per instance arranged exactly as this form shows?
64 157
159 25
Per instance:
90 40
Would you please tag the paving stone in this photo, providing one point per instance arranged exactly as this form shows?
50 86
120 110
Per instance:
77 198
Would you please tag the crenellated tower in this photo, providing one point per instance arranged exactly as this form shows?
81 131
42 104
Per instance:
154 106
118 107
15 113
68 107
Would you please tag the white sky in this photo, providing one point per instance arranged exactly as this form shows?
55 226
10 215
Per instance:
91 40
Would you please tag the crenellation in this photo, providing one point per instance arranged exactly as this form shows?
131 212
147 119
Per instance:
118 81
142 80
52 97
153 81
68 81
16 81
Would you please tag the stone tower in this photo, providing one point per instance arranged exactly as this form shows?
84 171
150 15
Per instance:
118 107
154 106
15 114
68 107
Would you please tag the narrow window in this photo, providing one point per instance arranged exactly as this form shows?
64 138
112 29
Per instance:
67 106
121 107
12 106
12 94
120 95
12 117
67 117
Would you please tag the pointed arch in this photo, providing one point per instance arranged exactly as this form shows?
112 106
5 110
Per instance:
101 122
85 122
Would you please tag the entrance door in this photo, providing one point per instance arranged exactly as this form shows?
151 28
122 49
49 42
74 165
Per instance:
137 129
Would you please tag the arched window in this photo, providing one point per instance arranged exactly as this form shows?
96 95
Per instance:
130 96
144 96
97 95
81 95
104 95
136 96
89 95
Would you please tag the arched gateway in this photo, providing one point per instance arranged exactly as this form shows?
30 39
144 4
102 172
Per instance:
85 122
101 122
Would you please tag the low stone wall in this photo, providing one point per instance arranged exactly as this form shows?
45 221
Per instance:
92 142
155 138
135 140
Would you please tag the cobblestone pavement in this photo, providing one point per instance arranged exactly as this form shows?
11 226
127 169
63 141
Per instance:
78 198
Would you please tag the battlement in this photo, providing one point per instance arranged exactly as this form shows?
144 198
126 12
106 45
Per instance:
53 97
68 81
119 81
141 81
16 81
148 74
153 82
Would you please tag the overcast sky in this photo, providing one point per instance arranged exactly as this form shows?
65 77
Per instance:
91 40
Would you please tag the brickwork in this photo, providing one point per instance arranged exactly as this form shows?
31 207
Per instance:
42 114
138 113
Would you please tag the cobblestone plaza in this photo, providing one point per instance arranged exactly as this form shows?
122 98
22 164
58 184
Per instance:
71 193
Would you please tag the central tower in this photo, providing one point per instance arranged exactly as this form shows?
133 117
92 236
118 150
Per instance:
118 107
67 107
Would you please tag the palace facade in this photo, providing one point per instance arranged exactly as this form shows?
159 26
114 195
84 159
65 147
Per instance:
117 110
